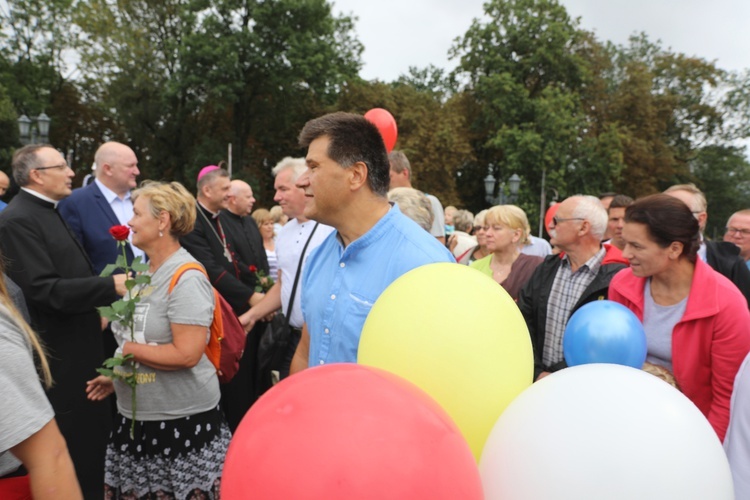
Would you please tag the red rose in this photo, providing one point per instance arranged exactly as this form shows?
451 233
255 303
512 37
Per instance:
120 233
253 269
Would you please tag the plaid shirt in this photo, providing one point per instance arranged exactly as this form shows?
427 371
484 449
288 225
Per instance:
566 291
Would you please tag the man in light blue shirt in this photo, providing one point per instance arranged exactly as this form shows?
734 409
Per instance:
346 186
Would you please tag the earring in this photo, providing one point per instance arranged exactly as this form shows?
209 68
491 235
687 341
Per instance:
161 234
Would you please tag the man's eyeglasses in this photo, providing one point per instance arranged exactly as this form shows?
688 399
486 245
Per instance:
61 166
557 220
740 232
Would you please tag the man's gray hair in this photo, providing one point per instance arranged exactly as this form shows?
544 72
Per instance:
399 162
298 166
592 210
24 161
463 220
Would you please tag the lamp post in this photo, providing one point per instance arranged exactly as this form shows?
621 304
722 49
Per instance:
32 130
501 199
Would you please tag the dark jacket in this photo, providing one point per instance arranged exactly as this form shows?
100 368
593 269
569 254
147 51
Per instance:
50 266
534 297
724 258
89 216
233 279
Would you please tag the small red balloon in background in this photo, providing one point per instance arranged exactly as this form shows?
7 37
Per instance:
551 211
344 431
386 124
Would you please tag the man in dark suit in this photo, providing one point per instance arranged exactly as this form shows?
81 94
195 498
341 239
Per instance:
90 211
722 256
49 265
237 221
216 243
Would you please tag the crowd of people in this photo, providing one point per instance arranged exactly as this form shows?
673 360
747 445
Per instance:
347 223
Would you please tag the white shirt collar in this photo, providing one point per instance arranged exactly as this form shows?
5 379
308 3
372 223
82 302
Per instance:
109 194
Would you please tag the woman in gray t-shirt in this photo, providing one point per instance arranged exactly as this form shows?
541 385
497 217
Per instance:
181 436
28 431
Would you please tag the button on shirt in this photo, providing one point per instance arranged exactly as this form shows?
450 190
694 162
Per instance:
565 293
340 285
123 209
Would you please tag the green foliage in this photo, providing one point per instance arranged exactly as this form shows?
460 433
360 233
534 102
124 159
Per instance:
432 134
723 173
533 94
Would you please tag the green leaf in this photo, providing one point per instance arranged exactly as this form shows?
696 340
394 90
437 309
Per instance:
106 372
121 263
138 266
143 279
108 270
130 283
119 306
107 312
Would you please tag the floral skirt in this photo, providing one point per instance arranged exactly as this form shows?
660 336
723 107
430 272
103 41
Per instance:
171 459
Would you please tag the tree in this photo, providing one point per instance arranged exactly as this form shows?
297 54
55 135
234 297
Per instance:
723 173
525 68
431 133
186 77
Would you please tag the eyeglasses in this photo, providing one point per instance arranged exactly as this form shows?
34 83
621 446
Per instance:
740 232
61 166
557 220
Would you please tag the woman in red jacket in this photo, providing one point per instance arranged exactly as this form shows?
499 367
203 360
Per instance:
696 321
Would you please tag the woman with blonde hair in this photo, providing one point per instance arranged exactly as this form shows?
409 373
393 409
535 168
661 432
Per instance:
480 250
506 232
265 222
28 432
181 436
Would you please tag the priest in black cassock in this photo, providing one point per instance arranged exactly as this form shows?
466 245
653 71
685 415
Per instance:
227 255
62 293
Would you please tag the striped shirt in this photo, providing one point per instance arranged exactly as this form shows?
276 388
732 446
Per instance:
567 289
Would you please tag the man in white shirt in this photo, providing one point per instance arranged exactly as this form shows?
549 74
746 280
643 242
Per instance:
289 245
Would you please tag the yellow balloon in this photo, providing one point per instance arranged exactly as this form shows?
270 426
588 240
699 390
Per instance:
458 335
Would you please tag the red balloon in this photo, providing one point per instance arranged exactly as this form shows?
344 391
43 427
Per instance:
346 431
551 211
386 124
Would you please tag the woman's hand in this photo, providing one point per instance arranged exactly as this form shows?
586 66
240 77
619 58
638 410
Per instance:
99 388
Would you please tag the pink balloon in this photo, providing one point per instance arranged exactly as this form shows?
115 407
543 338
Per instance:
345 431
386 124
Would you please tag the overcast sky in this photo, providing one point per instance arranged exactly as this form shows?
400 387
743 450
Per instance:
400 33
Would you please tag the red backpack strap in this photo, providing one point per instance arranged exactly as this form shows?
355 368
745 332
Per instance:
181 270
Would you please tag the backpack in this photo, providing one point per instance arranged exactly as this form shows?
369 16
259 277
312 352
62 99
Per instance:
227 340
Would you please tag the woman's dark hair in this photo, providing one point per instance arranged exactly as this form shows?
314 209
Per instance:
667 220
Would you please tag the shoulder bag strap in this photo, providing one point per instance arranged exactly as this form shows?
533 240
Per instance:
181 270
296 276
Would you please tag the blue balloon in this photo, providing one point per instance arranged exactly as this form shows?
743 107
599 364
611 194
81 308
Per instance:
604 332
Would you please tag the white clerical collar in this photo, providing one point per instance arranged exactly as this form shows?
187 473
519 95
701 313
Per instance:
214 215
41 196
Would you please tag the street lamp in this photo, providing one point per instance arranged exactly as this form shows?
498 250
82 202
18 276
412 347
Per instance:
501 199
29 133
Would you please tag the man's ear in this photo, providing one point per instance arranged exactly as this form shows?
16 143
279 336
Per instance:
358 175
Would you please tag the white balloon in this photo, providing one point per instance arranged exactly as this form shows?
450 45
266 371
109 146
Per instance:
603 431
